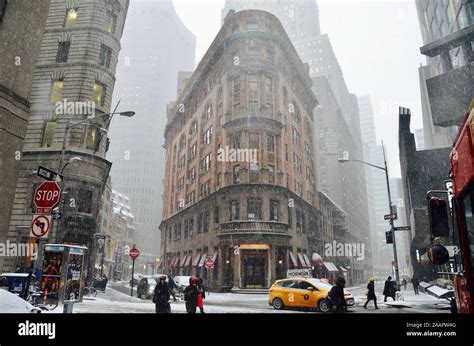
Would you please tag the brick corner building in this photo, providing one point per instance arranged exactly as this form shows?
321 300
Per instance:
240 184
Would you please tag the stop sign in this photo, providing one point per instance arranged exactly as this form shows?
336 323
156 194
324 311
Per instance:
209 263
134 253
47 196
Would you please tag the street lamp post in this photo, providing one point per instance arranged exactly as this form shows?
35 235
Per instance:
392 228
70 125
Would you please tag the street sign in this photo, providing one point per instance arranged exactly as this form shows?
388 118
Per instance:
48 174
47 196
209 263
40 226
390 217
402 228
134 253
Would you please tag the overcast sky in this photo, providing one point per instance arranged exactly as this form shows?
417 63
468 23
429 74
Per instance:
377 44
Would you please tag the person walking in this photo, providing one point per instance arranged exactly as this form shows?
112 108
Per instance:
416 284
404 284
336 296
162 296
388 290
201 295
172 286
371 294
191 295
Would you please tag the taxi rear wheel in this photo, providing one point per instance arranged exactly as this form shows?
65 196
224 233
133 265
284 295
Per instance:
323 305
278 304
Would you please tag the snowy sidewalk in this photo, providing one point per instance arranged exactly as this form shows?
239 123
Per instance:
408 300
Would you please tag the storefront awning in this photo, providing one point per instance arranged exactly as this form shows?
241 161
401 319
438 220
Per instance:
301 260
214 255
294 262
182 259
343 269
306 259
317 259
196 259
203 258
174 261
188 260
330 267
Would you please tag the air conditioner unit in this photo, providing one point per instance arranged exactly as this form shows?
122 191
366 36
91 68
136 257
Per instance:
189 181
251 216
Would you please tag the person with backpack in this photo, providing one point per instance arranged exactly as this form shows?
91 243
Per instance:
336 296
162 296
191 295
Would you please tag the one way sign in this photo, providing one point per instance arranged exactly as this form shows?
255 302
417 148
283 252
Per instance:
48 174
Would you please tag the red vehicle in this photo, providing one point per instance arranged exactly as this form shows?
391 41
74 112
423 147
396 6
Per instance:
462 174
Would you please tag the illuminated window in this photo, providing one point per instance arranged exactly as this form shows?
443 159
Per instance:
92 138
56 94
71 17
110 23
98 93
48 134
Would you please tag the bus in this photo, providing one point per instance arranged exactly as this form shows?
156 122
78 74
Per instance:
460 213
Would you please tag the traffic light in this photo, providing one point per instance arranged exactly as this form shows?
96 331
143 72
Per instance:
389 237
438 217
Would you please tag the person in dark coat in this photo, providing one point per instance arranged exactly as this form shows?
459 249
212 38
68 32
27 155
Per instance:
162 296
416 284
404 284
336 296
172 286
371 294
191 295
388 290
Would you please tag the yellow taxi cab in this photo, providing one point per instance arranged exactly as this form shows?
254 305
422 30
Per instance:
303 293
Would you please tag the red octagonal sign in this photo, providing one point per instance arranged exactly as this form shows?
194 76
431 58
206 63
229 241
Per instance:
134 253
47 196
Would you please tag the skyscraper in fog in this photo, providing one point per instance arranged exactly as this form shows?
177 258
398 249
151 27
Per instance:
155 47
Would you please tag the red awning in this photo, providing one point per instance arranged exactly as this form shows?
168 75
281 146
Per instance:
301 260
203 258
306 259
293 260
174 262
183 259
196 259
188 260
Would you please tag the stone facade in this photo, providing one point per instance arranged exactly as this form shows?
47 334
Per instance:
253 217
76 63
21 29
420 174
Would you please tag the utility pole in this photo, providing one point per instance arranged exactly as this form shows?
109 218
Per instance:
392 229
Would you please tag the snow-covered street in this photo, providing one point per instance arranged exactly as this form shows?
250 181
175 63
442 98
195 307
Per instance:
116 299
